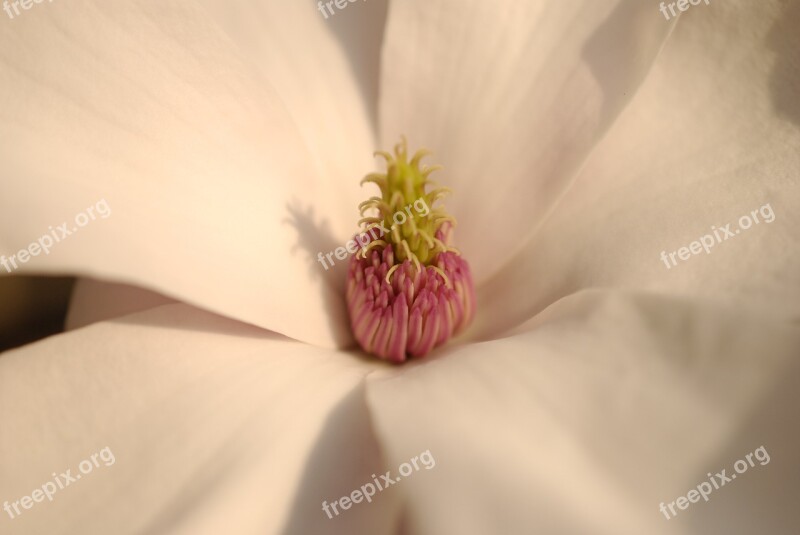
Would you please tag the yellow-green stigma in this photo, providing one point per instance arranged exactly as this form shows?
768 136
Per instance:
404 208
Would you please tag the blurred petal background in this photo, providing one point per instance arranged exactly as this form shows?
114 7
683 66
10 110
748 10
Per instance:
33 308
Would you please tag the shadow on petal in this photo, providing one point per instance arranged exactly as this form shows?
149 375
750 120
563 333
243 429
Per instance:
202 322
784 40
346 455
359 27
314 238
765 497
623 40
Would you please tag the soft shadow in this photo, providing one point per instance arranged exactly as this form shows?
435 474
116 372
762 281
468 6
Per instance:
196 319
196 493
784 39
344 458
361 39
95 300
773 486
314 237
618 66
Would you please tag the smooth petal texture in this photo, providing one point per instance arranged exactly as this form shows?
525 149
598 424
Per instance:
326 73
713 135
213 178
511 96
610 405
215 427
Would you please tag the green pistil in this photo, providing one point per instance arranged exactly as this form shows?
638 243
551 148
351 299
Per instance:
406 209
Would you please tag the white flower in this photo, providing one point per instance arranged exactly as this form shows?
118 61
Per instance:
583 138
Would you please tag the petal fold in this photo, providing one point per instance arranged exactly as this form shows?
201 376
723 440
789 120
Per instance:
711 142
209 155
610 404
214 426
512 97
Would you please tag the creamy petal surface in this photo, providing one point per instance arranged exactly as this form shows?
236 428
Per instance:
215 427
512 96
218 184
712 136
609 405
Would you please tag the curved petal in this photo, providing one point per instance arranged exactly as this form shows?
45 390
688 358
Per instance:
611 405
220 194
325 69
712 138
93 301
213 426
511 96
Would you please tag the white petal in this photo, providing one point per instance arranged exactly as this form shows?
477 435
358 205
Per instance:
214 426
511 96
712 136
219 193
611 405
326 72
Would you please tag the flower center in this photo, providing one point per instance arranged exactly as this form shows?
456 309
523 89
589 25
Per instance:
408 291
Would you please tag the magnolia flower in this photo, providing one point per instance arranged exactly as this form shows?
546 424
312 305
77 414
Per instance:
215 361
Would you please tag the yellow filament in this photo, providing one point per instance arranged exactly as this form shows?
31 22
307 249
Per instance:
372 244
390 273
444 276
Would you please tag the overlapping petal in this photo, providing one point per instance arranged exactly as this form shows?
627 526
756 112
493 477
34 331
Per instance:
214 426
712 136
511 96
609 405
214 165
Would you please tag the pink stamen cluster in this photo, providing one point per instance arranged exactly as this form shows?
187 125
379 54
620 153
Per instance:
413 312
